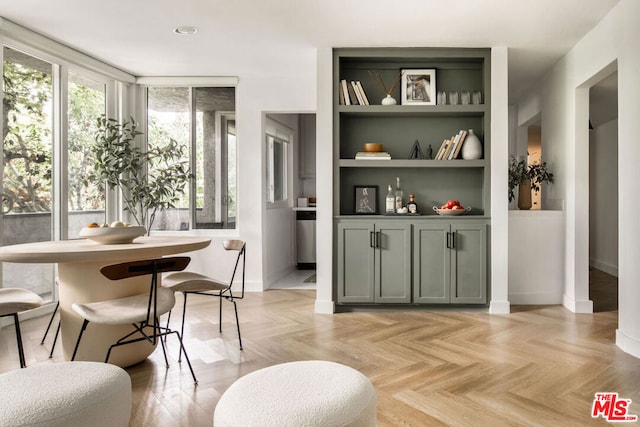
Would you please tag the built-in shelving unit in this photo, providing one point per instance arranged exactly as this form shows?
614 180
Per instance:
382 259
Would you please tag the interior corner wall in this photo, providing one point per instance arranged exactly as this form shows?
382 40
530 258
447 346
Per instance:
603 197
324 176
499 181
564 105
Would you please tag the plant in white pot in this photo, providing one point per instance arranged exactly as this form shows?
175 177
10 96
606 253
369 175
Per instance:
149 181
527 178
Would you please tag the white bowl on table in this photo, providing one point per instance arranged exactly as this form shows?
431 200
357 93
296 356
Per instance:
113 235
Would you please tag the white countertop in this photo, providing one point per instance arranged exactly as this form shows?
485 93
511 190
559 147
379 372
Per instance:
309 208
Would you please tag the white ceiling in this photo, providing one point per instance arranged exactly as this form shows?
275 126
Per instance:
236 35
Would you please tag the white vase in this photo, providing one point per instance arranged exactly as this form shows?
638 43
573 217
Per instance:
472 147
389 100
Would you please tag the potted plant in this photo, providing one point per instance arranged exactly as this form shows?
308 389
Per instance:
149 181
527 178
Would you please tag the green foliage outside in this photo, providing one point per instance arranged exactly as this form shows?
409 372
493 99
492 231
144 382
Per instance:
27 144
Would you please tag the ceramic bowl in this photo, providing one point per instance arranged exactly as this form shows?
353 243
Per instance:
113 235
451 212
372 147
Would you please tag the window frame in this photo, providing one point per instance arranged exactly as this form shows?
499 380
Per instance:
142 85
283 133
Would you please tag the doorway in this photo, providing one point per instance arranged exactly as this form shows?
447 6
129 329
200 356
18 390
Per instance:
290 198
603 194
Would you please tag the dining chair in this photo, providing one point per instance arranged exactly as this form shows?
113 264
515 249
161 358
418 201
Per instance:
46 332
196 283
142 311
14 301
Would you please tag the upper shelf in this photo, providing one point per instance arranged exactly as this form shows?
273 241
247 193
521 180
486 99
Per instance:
411 163
469 110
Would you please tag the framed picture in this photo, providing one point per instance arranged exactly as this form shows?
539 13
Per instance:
418 87
366 199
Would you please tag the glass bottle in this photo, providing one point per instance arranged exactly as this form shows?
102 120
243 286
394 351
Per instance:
412 206
399 194
390 201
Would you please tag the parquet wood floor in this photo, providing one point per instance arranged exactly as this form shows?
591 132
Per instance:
538 366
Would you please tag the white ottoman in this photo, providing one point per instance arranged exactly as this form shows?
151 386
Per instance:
66 394
308 393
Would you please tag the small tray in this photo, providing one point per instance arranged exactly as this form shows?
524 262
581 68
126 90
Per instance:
451 212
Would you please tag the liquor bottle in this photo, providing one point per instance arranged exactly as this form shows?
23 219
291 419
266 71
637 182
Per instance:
412 206
390 201
399 194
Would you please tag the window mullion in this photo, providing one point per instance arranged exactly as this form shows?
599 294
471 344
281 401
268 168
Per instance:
60 208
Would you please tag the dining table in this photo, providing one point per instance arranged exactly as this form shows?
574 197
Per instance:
80 281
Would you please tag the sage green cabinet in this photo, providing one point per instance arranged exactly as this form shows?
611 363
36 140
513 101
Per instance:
374 262
450 262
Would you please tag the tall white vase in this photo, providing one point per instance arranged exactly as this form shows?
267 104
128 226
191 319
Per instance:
472 147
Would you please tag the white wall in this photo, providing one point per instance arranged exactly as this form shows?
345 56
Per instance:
603 197
536 271
563 98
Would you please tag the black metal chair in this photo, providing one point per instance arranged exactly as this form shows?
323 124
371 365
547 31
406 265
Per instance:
143 311
195 283
12 302
46 332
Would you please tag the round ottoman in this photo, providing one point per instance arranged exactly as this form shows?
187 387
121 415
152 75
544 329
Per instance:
66 394
307 393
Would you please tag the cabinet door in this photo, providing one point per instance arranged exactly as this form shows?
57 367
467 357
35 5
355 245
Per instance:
469 263
431 263
355 262
393 263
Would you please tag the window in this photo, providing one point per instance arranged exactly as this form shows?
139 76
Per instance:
203 119
276 169
86 102
278 154
27 185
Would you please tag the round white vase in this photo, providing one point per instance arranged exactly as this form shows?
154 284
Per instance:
472 147
389 100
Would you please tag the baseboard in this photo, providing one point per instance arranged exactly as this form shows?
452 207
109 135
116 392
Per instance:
604 266
282 273
499 307
540 298
628 344
582 306
325 307
251 287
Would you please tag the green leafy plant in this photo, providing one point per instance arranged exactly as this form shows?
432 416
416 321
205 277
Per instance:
149 181
520 172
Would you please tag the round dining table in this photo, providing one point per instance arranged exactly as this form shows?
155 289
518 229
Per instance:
80 281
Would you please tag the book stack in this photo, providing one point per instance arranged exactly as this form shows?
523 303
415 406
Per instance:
352 93
450 148
377 155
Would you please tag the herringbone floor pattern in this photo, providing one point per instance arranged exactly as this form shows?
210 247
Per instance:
538 366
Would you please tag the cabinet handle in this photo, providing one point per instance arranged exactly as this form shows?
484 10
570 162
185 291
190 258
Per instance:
448 240
378 239
453 240
372 239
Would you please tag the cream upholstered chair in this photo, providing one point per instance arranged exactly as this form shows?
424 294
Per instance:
195 283
12 302
142 311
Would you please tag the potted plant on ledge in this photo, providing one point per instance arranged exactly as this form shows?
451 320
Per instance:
527 178
149 181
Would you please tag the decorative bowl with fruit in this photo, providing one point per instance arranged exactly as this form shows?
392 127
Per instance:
451 208
117 232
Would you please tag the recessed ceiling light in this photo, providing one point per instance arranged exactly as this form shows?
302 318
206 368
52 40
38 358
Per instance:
185 30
